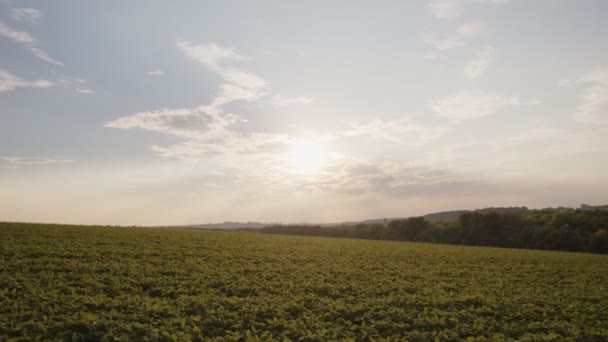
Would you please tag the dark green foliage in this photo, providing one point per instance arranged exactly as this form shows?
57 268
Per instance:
598 242
455 214
99 283
559 229
406 230
490 229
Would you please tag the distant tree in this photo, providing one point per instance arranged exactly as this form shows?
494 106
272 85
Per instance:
598 242
491 229
431 235
470 224
407 229
563 229
565 239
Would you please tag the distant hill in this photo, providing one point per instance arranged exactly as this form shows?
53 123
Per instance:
594 207
445 215
451 215
226 225
454 214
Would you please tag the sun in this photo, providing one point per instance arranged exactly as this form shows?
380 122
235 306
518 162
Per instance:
307 156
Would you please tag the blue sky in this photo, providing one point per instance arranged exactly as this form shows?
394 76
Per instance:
153 112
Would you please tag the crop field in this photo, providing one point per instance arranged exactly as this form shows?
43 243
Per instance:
102 283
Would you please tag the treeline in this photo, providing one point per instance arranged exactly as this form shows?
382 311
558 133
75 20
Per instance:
548 229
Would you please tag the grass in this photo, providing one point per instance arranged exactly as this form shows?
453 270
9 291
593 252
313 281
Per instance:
95 283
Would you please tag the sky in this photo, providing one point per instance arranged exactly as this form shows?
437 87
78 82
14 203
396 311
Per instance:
186 112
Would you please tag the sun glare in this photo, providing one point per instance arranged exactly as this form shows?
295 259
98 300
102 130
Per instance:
307 156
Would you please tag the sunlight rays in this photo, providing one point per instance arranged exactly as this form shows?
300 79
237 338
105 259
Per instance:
307 157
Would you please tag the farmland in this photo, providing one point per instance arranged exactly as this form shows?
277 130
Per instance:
95 283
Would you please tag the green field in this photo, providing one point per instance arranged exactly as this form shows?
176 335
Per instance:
92 283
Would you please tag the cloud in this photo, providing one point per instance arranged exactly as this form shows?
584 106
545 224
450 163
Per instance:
70 80
239 84
17 162
475 67
211 54
564 82
449 9
9 82
494 1
223 147
464 32
593 108
471 29
30 15
39 53
27 41
184 122
597 75
207 130
444 9
345 175
156 72
444 43
84 90
471 104
357 176
401 131
527 154
16 35
79 84
279 100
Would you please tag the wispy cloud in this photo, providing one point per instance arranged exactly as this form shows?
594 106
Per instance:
80 85
593 108
25 39
446 8
185 122
13 162
16 35
443 43
347 175
84 90
401 131
470 29
207 130
70 81
39 53
224 147
449 9
279 100
564 82
30 15
471 104
482 60
471 167
9 82
355 176
460 38
494 1
239 84
211 54
156 73
523 154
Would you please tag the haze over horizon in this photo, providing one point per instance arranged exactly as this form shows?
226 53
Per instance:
155 113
